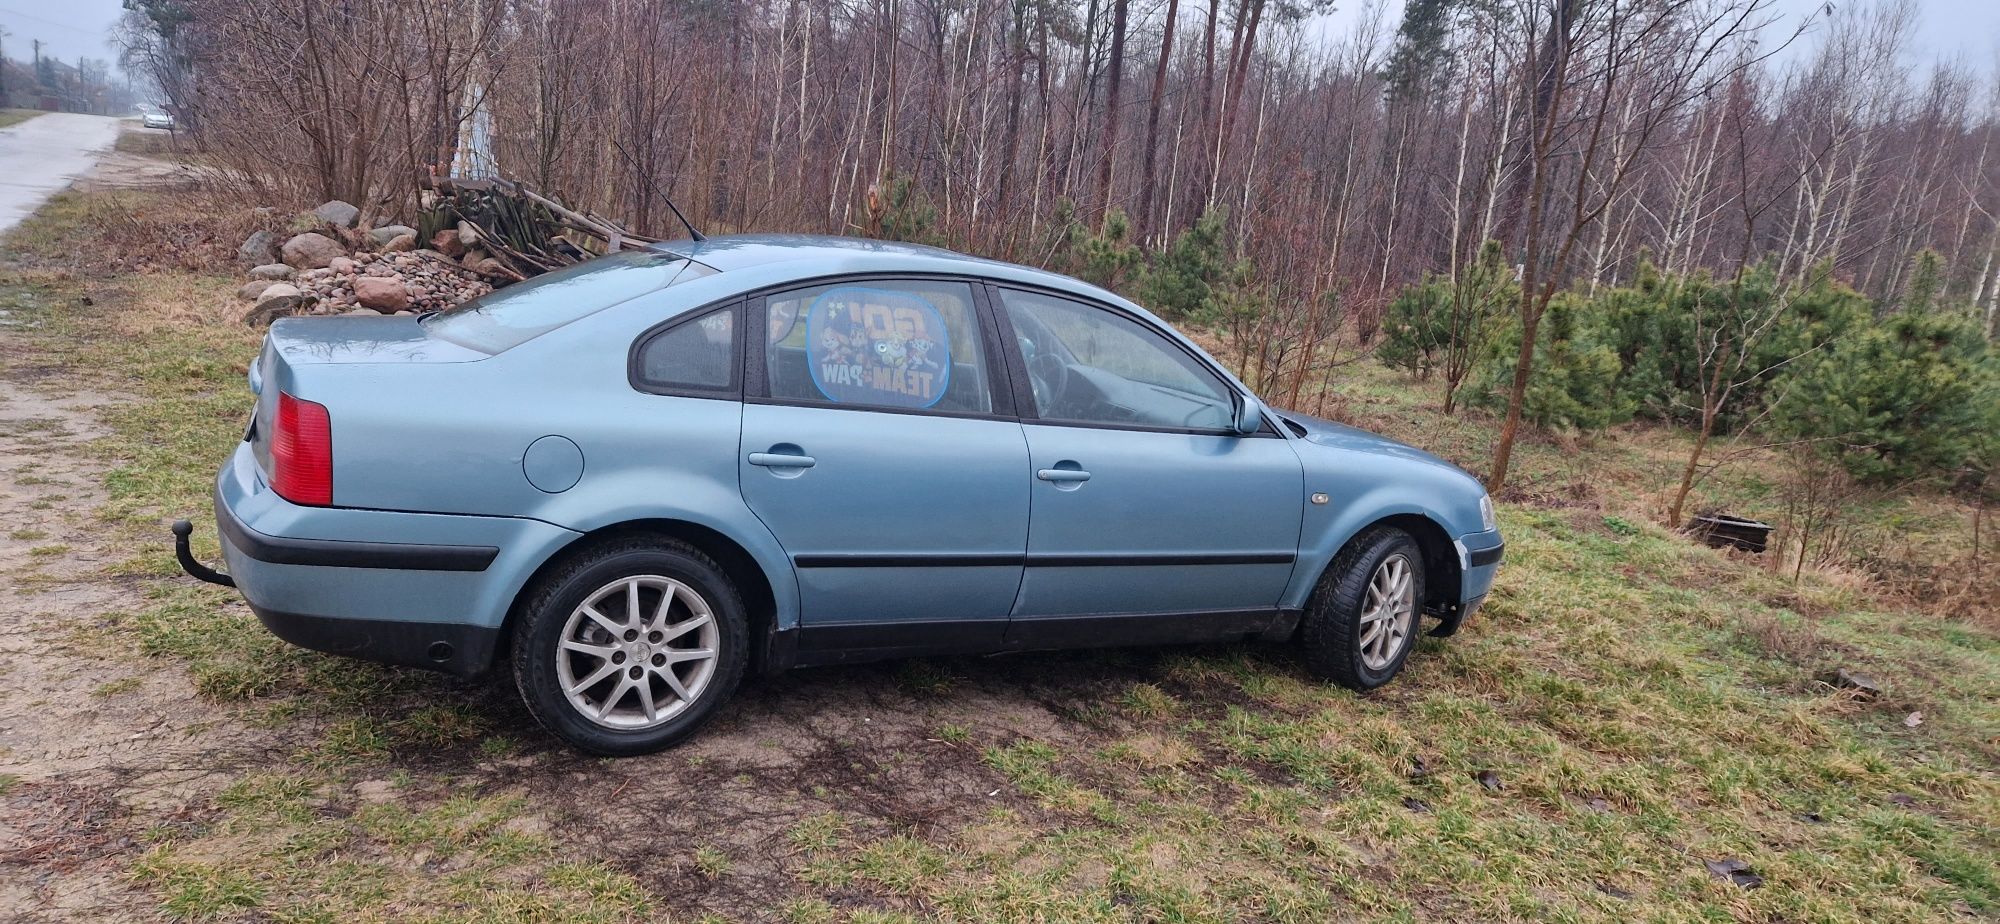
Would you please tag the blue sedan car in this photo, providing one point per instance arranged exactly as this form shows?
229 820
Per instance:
636 479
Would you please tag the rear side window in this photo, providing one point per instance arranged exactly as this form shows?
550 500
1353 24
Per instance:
898 344
695 356
509 317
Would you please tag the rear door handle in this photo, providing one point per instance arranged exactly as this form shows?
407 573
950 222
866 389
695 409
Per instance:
1063 475
781 460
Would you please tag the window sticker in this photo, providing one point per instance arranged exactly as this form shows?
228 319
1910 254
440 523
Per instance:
783 315
876 346
716 327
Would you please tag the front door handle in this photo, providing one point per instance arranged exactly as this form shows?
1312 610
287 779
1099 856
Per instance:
781 460
1063 475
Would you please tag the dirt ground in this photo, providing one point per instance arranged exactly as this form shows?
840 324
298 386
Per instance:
105 743
85 768
125 170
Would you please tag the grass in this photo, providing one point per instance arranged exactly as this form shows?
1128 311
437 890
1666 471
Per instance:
1628 708
12 117
461 852
149 142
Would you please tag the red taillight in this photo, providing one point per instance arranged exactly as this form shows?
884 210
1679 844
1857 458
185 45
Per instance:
302 452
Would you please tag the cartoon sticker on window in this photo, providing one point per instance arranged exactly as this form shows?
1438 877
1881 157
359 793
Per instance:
875 346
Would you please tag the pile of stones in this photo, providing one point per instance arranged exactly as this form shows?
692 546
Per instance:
345 266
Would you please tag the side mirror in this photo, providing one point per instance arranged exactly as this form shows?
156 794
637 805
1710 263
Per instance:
1249 415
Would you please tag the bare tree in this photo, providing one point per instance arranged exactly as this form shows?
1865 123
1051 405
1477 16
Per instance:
1591 58
1576 133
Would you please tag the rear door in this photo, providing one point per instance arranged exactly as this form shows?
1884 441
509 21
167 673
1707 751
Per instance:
1151 520
881 451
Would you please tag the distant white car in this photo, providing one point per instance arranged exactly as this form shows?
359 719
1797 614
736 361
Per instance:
157 119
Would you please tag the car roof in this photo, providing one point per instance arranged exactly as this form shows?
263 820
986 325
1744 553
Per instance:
806 255
779 258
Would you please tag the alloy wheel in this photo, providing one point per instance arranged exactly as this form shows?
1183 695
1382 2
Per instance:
637 652
1388 612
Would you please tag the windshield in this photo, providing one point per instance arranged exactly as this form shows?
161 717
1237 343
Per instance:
509 317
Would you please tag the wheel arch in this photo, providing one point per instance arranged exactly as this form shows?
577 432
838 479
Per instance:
1443 572
742 568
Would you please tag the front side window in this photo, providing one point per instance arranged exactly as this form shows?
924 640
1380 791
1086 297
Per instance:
893 344
696 355
1091 365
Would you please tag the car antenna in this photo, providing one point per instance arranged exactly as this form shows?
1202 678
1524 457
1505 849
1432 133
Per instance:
697 235
669 200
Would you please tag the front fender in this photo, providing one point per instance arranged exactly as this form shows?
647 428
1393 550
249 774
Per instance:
1329 527
1367 480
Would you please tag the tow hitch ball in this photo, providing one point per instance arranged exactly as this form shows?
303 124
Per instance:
195 569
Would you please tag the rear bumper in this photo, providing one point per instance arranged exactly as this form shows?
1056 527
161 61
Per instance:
455 648
417 589
348 553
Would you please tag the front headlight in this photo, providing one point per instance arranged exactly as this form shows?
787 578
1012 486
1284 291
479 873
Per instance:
1486 519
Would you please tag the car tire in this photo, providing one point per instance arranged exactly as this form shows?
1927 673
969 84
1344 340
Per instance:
1335 630
557 640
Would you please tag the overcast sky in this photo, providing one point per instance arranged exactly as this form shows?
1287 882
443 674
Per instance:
1967 29
69 29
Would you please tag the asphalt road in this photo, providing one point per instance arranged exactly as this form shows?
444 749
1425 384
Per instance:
41 156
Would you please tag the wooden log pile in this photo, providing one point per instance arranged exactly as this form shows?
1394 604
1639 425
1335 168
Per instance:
526 232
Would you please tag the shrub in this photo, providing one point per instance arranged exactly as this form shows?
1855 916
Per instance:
1104 257
1664 355
1576 373
904 213
1181 284
1441 325
1915 395
1416 327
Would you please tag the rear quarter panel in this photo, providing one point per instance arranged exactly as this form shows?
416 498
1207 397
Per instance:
452 437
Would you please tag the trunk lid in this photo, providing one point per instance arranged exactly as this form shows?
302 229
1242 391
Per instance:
360 339
295 346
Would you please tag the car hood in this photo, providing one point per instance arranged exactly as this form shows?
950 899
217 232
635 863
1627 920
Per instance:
1353 439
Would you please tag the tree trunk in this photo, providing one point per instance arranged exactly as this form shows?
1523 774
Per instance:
1010 144
1524 367
1711 408
1201 139
1147 170
1112 118
1239 72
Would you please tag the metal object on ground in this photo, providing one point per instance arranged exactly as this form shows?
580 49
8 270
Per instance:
1724 531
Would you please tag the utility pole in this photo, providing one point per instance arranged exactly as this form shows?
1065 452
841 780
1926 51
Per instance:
37 72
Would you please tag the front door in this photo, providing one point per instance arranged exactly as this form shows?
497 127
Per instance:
873 449
1150 519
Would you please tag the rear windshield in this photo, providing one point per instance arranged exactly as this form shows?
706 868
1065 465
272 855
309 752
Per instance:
509 317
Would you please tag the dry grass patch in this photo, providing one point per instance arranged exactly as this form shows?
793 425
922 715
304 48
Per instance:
12 117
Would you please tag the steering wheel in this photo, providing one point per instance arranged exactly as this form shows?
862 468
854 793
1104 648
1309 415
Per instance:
1048 375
